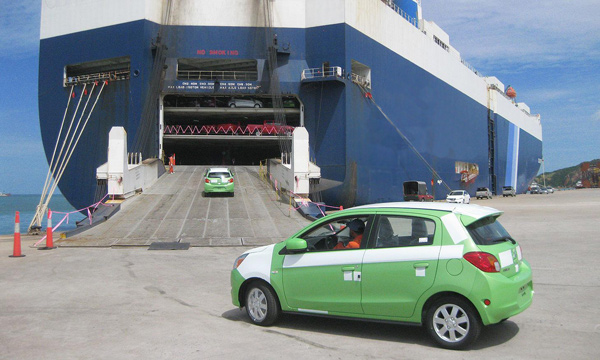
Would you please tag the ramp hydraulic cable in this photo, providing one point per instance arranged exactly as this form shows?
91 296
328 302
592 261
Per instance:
59 162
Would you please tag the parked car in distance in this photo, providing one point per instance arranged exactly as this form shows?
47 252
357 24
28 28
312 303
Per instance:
550 189
218 180
458 196
508 191
237 102
543 190
535 190
416 191
483 192
451 268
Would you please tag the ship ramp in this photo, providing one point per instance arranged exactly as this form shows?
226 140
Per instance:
175 210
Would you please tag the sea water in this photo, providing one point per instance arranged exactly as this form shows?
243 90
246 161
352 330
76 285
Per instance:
26 205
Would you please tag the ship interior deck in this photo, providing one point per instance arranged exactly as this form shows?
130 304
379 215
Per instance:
210 130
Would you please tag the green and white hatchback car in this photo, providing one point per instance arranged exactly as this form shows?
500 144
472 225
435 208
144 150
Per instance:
218 180
449 267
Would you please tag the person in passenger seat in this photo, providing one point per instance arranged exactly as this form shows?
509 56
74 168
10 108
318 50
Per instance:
357 228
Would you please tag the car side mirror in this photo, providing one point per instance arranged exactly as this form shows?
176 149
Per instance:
296 245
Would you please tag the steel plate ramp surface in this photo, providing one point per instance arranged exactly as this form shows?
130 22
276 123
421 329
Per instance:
175 209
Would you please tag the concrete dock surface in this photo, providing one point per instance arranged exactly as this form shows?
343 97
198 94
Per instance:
131 303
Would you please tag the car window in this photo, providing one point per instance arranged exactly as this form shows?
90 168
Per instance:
487 231
218 174
396 231
456 193
327 235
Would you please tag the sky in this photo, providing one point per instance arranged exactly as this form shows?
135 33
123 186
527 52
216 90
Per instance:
549 51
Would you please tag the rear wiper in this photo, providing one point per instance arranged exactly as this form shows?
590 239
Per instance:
506 238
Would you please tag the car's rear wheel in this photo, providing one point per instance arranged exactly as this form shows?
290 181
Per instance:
256 105
261 305
453 323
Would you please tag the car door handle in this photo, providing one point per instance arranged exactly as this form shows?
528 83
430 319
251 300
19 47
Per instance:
421 265
348 268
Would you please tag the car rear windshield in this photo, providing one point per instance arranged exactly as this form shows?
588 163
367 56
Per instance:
218 174
481 189
507 188
488 231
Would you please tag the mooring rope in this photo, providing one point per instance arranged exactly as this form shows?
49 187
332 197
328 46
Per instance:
408 142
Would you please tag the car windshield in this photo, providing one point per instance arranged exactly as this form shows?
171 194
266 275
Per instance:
455 193
488 231
218 174
506 188
481 189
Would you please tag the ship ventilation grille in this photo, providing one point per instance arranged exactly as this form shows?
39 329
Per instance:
100 70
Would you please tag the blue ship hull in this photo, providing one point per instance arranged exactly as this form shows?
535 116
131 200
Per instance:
350 139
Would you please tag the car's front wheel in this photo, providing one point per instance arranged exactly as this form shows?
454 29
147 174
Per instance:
261 304
453 323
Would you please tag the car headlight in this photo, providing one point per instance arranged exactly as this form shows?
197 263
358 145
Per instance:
239 261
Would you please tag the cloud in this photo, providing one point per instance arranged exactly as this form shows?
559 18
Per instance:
500 34
19 28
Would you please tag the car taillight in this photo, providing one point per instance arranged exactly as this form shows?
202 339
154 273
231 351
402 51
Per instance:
231 180
206 181
483 261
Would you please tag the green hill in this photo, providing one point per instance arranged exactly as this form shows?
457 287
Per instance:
568 177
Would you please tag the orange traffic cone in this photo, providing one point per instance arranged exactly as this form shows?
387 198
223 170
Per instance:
17 242
49 242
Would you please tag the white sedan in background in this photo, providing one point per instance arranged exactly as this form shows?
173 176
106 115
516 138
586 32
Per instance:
458 196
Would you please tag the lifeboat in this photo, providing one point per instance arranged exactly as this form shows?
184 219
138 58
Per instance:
510 92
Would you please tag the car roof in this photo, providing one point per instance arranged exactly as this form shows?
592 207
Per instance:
221 169
474 211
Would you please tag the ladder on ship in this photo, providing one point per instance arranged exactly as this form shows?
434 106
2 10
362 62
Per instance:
285 145
491 143
66 143
146 138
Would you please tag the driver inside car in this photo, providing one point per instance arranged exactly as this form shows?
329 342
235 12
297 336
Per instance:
357 228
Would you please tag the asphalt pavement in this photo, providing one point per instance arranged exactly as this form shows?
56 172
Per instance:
132 303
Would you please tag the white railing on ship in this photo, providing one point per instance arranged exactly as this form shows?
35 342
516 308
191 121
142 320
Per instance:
134 158
322 73
360 80
402 13
90 78
217 75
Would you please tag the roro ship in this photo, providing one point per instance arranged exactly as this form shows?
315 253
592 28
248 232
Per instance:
381 92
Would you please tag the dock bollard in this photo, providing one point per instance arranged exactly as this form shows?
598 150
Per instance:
17 242
49 242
